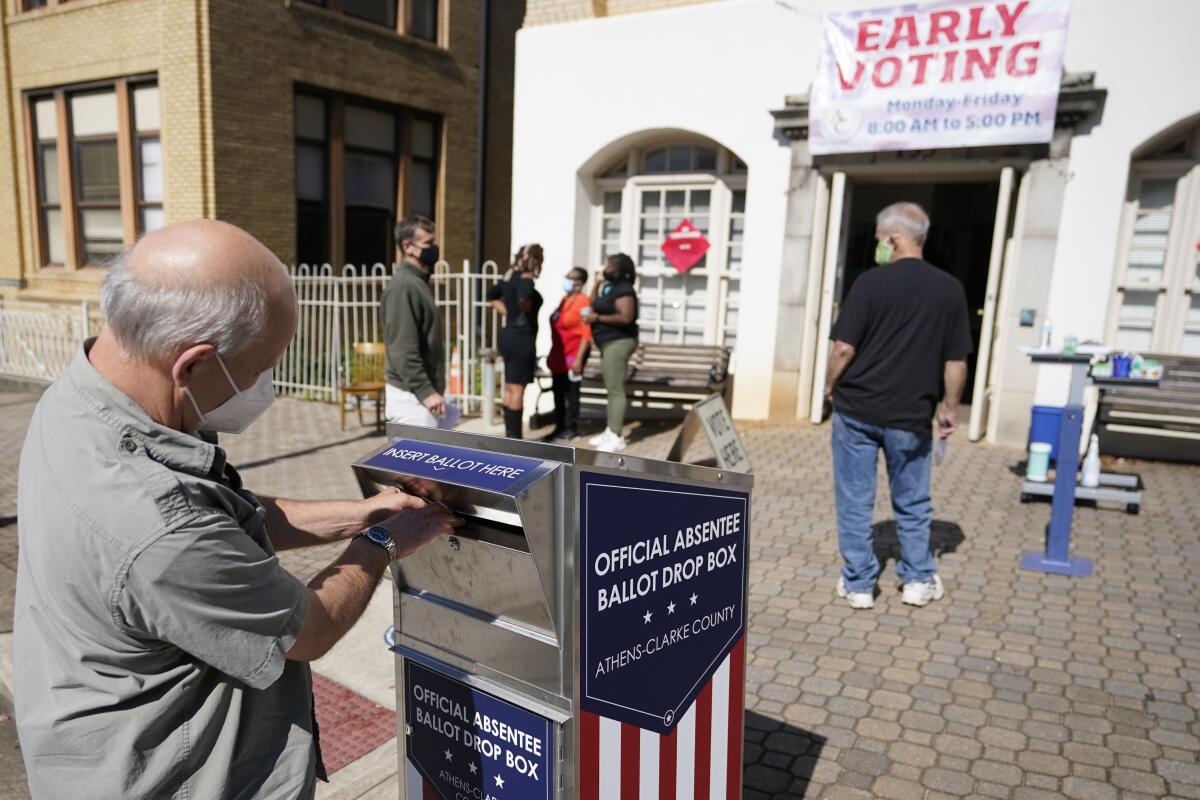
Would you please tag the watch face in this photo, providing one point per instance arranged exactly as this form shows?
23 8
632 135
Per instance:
379 535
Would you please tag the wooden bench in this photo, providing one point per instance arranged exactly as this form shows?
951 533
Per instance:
1161 423
663 381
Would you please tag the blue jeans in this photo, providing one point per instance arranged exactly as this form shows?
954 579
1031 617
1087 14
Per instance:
907 455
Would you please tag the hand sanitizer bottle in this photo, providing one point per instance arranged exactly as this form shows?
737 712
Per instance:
1046 331
1091 464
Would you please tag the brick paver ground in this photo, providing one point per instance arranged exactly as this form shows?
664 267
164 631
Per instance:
1018 685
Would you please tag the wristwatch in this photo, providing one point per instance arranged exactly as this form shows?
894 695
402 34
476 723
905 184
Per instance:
377 534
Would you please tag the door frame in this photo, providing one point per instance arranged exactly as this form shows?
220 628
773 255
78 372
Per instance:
829 221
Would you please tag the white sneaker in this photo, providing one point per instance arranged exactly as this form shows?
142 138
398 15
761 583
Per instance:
600 438
856 599
920 594
615 444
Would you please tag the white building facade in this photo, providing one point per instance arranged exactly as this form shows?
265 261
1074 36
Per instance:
629 123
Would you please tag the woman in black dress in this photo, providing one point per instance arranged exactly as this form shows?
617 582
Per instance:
518 302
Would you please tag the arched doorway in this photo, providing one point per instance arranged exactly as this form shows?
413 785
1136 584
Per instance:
639 195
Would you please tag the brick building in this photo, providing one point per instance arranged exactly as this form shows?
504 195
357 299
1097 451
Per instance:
311 123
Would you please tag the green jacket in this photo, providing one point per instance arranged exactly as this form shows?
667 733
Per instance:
412 331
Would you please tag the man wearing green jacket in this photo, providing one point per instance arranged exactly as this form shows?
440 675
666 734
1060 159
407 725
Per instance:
412 331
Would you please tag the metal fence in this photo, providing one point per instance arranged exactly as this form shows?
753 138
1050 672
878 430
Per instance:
38 340
336 310
339 309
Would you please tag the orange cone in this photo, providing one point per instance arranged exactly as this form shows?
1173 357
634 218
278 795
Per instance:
455 373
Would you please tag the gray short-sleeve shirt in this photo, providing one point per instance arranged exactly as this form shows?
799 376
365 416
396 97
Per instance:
152 616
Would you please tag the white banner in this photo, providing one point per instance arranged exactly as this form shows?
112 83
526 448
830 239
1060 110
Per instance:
951 73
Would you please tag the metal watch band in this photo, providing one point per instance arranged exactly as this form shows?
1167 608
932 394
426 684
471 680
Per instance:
381 536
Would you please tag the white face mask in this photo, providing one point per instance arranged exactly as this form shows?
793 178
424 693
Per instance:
236 413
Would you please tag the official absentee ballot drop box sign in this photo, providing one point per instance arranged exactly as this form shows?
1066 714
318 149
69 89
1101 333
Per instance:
581 636
663 624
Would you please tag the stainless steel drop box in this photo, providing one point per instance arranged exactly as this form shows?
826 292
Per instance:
493 677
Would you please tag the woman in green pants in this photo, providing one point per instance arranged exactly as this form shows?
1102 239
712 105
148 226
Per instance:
613 317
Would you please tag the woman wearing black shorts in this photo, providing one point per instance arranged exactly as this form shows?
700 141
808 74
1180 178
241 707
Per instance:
518 302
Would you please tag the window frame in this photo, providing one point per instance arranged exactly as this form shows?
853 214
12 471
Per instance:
403 13
70 204
335 149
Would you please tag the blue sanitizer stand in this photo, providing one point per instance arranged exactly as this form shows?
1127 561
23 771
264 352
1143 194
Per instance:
1057 557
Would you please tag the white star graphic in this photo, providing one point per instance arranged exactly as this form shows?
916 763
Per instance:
671 607
647 616
500 781
471 766
449 755
694 597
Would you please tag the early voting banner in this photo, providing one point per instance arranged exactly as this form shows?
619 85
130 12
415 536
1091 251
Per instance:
464 743
663 570
950 73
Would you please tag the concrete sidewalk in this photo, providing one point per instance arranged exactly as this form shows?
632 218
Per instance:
1016 686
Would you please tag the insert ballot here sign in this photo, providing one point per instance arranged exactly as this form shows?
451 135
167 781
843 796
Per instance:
470 745
663 583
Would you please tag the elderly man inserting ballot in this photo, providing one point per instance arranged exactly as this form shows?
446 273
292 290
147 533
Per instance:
899 359
160 650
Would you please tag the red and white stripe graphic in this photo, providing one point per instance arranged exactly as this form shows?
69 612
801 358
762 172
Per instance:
700 760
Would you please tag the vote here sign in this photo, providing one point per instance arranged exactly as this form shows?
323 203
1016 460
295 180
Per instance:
465 743
663 582
949 73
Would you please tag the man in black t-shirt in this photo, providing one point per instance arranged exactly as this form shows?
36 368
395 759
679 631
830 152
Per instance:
900 343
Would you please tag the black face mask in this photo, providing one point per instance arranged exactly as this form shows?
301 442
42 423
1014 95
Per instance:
611 277
430 256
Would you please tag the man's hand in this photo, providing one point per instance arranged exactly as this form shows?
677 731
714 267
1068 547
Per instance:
436 404
416 525
389 502
947 419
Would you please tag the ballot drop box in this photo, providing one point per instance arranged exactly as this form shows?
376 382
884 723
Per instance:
583 635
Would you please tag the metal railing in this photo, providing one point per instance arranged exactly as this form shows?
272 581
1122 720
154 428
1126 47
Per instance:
38 340
336 310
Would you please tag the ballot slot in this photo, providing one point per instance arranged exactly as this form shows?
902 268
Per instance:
486 569
462 500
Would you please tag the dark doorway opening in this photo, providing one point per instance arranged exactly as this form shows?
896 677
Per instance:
962 216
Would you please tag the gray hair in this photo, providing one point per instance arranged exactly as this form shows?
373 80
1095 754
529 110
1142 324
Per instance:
153 318
906 219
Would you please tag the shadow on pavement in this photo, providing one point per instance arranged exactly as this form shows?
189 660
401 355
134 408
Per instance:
944 537
779 758
262 462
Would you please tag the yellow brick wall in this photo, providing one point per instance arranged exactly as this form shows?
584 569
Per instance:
226 71
548 12
281 44
89 40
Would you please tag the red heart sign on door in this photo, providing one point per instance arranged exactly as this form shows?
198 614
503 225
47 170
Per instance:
685 246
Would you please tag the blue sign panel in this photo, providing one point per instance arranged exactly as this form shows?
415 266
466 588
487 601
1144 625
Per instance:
468 743
663 578
480 469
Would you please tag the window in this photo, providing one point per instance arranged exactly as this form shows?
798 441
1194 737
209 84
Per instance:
634 213
53 240
1156 298
418 18
680 158
359 166
149 158
312 170
97 162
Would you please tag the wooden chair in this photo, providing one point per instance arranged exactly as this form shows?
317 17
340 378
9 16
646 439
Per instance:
366 379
